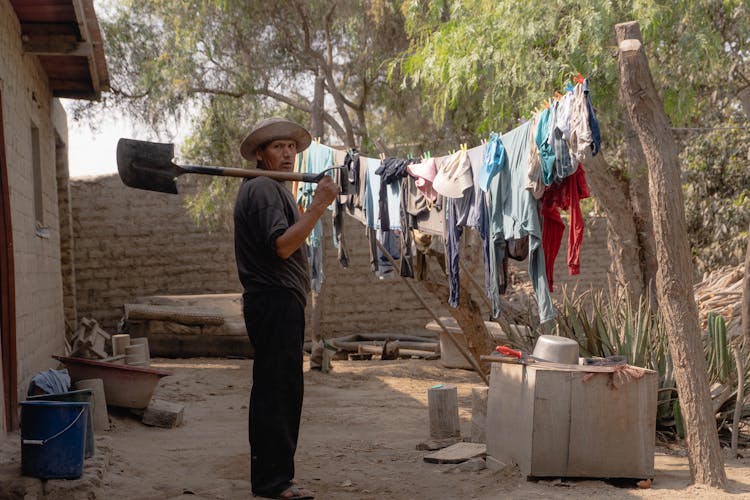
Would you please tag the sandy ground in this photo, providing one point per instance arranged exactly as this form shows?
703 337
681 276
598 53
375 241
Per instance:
360 427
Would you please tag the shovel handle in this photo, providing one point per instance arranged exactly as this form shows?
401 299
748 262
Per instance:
256 172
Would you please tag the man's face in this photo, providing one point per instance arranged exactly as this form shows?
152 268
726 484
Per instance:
278 155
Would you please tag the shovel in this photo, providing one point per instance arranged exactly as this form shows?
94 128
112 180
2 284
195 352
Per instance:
148 165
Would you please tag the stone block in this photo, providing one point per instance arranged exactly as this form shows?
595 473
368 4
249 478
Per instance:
160 413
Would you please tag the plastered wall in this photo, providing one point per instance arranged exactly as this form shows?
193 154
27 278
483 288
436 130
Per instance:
27 101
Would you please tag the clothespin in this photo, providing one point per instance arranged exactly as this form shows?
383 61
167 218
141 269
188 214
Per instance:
558 95
578 78
382 156
427 155
546 104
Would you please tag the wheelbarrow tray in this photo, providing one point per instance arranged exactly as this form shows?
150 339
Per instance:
124 385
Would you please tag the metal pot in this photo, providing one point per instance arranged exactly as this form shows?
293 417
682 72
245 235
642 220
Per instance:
556 349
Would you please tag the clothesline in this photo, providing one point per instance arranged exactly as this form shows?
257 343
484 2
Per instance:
499 188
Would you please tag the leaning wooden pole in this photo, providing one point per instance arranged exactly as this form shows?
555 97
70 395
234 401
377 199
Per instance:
461 348
674 278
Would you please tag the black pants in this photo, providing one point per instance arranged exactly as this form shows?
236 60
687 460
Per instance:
275 322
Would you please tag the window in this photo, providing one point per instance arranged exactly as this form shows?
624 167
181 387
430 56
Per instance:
36 175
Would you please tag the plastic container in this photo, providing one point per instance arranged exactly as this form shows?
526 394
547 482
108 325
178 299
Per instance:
53 436
81 396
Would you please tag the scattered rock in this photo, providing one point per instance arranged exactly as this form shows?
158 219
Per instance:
494 464
162 413
437 444
473 465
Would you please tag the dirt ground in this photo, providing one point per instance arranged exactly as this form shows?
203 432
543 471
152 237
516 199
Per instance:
360 427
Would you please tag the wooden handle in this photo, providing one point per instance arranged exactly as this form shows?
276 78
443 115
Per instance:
251 172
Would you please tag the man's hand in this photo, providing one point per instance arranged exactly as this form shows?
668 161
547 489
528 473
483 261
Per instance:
295 235
325 192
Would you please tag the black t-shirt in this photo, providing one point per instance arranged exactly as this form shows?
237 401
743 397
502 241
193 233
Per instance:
263 211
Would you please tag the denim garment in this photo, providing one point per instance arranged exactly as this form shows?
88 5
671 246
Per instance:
596 135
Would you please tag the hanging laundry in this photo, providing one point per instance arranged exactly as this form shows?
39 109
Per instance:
596 136
514 214
453 175
372 208
546 153
339 206
424 174
391 171
351 163
469 211
563 114
319 157
494 158
580 138
565 195
534 181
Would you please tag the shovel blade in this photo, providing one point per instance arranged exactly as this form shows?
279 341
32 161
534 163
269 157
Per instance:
147 165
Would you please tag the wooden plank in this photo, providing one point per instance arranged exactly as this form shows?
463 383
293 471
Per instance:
457 453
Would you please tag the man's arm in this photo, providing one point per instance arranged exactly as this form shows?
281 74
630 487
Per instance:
293 238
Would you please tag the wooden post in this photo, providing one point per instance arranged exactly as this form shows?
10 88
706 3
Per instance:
479 414
443 404
674 277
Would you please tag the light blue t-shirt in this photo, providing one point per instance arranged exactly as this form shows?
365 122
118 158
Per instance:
514 214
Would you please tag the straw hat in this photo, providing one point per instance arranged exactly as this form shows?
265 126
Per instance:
273 129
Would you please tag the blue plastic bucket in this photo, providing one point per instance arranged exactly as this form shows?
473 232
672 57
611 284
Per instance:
83 395
53 437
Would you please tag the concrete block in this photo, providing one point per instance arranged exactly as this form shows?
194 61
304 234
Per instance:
160 413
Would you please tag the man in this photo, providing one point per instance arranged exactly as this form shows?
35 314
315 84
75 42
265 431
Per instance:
272 264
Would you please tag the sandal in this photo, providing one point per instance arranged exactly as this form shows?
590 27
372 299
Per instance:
291 493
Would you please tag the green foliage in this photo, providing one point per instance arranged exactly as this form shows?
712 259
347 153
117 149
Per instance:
484 65
716 184
223 64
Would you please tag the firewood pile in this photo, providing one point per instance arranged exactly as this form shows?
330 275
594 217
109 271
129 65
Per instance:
721 292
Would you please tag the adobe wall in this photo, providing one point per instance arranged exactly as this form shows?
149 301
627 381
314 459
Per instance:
27 102
132 243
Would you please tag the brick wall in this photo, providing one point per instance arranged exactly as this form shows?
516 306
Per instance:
39 297
132 242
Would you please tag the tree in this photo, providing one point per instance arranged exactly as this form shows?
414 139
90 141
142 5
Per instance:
674 283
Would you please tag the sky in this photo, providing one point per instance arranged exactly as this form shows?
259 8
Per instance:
94 152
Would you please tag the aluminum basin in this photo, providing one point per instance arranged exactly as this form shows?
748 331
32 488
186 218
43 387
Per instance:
556 349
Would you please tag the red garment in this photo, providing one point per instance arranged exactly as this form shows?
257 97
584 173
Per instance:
563 196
